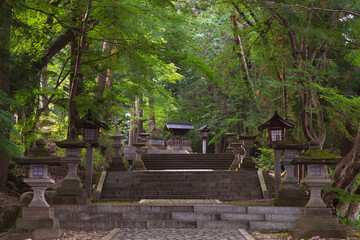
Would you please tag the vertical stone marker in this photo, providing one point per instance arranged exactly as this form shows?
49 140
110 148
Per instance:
38 215
71 190
247 143
316 219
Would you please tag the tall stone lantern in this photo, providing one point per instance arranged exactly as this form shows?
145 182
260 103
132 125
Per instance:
38 214
316 219
117 161
277 127
289 193
204 135
71 190
90 126
247 141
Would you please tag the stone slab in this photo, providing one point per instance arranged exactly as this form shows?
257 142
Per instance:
276 210
220 208
45 233
195 216
223 224
271 226
180 201
171 224
281 217
242 217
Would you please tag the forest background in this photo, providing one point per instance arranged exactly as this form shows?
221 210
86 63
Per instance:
229 64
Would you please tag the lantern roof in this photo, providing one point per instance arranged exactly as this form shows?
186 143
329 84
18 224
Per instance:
276 121
90 120
247 136
203 128
72 141
317 157
38 155
290 143
178 126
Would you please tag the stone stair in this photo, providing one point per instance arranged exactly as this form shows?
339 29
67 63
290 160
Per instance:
254 218
187 161
197 184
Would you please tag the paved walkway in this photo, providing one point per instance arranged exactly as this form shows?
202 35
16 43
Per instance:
177 234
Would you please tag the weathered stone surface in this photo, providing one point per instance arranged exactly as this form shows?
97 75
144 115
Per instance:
316 212
322 233
34 223
271 226
194 216
242 216
276 210
220 208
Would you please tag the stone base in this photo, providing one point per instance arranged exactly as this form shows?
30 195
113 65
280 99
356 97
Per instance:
32 223
322 233
247 163
155 142
35 212
235 165
289 202
287 192
117 167
318 223
70 200
43 233
70 187
138 165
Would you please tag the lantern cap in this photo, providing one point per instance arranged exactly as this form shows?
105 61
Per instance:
317 157
72 141
117 134
89 120
38 155
247 136
203 128
277 121
139 144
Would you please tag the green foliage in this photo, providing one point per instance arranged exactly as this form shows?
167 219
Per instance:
266 159
7 126
343 195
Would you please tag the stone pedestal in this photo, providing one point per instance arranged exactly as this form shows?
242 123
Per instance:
138 164
117 161
289 193
246 161
237 149
71 190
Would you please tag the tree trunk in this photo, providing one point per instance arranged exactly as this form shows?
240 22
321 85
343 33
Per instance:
152 109
346 170
102 78
354 208
5 87
139 114
244 66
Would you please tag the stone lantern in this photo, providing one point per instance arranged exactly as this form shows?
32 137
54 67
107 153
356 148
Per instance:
71 191
91 126
289 193
247 141
230 137
143 137
117 161
204 135
138 164
316 219
277 127
38 214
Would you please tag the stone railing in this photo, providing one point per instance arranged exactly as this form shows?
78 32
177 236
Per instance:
178 142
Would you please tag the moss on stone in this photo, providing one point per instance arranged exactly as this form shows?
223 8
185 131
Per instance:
319 154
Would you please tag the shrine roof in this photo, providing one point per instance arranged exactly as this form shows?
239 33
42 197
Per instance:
178 126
